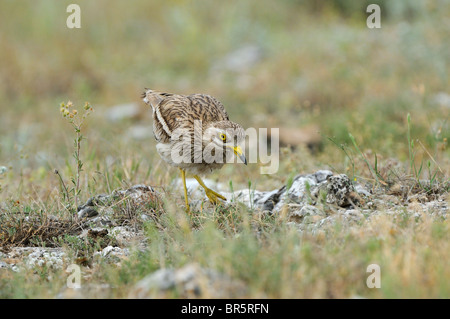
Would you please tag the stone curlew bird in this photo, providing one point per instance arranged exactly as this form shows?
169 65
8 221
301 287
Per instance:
194 133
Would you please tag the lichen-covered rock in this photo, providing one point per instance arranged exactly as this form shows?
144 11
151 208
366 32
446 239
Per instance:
340 191
100 204
87 212
304 190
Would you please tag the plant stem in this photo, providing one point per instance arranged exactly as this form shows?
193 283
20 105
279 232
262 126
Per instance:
79 164
63 184
364 158
410 144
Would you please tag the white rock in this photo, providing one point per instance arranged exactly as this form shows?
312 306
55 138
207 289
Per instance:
140 132
123 111
3 170
442 99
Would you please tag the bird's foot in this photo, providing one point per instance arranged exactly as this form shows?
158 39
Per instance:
214 196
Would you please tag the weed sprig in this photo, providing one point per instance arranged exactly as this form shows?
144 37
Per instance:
77 120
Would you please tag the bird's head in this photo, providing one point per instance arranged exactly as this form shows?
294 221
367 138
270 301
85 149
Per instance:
227 136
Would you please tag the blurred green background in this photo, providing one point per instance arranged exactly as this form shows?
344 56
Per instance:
288 64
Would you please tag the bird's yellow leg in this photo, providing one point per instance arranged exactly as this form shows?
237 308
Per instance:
212 195
183 177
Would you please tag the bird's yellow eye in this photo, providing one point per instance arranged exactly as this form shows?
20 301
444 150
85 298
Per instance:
223 137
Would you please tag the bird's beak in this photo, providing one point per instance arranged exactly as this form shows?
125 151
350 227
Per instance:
238 151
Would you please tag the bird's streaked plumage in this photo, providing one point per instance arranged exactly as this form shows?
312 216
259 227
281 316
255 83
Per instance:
197 118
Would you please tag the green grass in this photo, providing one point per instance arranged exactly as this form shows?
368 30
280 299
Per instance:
318 65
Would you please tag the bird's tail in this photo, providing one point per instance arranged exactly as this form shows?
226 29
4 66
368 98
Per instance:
153 98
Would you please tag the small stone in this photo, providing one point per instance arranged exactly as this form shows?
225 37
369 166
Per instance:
123 111
140 132
362 190
442 99
339 189
3 170
4 265
87 212
322 175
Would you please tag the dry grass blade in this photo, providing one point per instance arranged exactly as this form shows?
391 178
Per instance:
35 231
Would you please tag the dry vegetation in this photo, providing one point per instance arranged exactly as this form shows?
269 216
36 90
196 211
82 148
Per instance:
306 65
